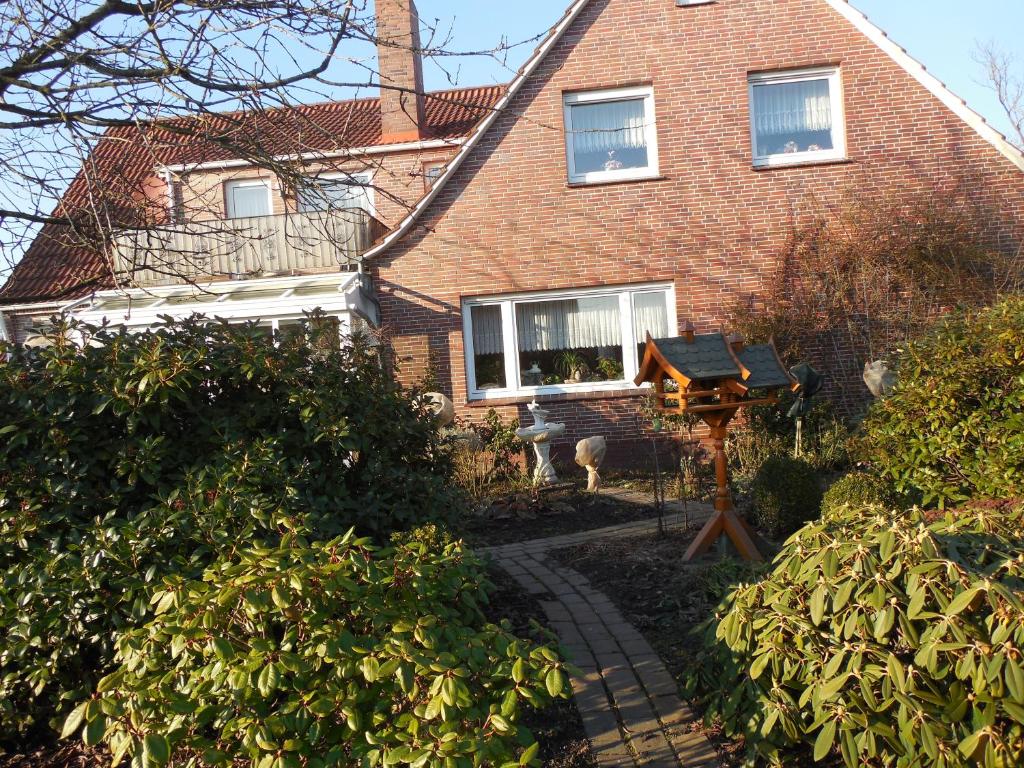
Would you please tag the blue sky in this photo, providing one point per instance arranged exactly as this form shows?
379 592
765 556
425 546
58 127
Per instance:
942 34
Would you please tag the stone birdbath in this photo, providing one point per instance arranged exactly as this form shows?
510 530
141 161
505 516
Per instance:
539 435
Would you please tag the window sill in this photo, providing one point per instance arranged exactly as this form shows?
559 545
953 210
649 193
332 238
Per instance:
561 397
607 182
803 163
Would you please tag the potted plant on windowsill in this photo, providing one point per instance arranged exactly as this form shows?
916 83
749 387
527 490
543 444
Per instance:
572 366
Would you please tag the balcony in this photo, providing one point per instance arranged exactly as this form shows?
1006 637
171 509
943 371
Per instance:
238 249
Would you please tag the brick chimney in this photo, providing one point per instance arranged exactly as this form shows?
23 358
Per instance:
401 71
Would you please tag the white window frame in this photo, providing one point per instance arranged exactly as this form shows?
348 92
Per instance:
646 93
836 97
510 336
433 165
236 183
363 178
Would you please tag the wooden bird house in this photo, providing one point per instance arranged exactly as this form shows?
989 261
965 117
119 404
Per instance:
714 376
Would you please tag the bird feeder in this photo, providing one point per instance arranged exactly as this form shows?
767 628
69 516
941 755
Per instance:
714 376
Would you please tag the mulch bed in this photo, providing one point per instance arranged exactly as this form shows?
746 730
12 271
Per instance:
69 754
524 516
559 729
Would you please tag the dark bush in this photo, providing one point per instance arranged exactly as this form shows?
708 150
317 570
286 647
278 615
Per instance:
859 489
786 494
336 653
878 638
143 455
953 429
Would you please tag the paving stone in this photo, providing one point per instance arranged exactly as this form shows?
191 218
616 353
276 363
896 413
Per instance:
653 750
671 711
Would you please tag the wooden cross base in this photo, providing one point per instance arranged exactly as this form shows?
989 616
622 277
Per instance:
732 525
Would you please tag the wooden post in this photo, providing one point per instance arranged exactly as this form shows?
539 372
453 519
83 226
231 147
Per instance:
723 499
725 520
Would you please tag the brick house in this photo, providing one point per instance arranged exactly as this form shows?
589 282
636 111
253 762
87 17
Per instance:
644 168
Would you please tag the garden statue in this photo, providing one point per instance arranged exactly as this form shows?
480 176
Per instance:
810 382
539 435
590 454
442 408
879 378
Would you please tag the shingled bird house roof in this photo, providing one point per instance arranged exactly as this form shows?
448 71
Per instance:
708 358
56 267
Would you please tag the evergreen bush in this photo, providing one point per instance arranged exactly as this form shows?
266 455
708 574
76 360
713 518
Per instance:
953 429
786 494
314 655
139 456
878 638
859 489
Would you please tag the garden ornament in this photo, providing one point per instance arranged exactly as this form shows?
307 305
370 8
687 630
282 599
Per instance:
879 378
810 383
441 407
590 453
539 435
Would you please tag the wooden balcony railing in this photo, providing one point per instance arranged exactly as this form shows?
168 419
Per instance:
261 246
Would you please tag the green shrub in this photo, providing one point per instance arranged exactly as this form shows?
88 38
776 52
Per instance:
859 489
335 653
881 638
953 429
144 455
786 494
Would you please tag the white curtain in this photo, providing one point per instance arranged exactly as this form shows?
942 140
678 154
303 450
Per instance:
569 324
650 313
248 200
486 322
786 108
612 125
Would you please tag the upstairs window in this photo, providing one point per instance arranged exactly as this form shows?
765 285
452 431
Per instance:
797 117
245 198
336 192
611 135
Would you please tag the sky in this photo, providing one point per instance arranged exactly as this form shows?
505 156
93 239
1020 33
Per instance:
942 34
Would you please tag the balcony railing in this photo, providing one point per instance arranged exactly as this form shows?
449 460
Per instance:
261 246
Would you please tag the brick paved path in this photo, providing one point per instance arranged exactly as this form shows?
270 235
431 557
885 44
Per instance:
629 702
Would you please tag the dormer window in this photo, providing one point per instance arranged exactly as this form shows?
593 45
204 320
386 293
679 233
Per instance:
245 198
611 135
797 117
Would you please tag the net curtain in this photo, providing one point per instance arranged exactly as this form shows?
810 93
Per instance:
786 108
607 126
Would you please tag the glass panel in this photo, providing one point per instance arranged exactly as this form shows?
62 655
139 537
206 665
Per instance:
324 194
793 117
650 315
608 136
433 173
248 200
570 340
488 347
327 331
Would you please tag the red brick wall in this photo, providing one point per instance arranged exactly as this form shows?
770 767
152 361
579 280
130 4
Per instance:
508 221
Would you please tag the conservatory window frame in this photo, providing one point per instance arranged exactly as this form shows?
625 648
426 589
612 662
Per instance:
510 336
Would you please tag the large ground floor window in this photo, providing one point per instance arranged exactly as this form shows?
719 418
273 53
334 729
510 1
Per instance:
562 341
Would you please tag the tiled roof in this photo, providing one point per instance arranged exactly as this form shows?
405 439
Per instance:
706 357
766 370
56 269
709 357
